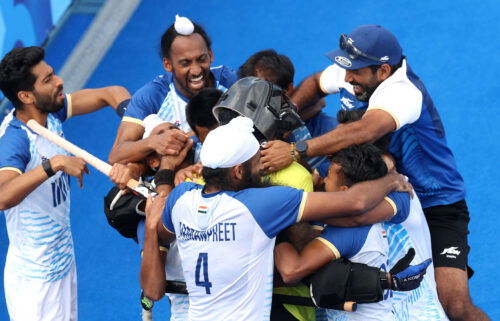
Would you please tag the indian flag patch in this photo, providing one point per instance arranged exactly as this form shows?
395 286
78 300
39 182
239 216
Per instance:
202 209
384 234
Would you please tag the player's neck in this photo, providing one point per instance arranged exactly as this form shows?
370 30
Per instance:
31 112
210 189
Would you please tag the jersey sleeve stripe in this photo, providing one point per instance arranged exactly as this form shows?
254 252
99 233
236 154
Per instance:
11 169
132 120
396 120
317 227
330 246
393 205
302 206
168 229
70 106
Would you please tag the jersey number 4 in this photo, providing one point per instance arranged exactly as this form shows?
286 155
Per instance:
202 263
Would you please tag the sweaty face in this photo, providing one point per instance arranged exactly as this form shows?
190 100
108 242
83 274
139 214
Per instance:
48 89
333 182
364 82
190 61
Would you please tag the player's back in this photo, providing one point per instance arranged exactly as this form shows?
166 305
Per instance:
412 231
226 242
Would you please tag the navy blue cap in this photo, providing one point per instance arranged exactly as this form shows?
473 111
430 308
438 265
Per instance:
374 41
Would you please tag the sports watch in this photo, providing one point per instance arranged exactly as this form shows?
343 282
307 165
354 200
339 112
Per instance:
301 148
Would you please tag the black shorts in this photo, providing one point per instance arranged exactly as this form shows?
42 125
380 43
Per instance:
448 225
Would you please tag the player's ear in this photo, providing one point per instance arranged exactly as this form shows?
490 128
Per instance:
384 72
26 97
167 64
237 172
153 161
343 188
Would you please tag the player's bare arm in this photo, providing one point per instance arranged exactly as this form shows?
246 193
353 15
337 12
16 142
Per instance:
374 124
89 100
14 187
294 266
380 213
357 200
129 147
152 276
308 92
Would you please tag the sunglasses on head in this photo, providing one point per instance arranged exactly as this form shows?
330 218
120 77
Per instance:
346 44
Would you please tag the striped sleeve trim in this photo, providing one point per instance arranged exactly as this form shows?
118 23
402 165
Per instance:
396 120
317 227
11 169
332 247
168 229
133 120
302 206
393 205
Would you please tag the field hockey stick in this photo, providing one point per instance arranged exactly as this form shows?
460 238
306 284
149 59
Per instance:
103 167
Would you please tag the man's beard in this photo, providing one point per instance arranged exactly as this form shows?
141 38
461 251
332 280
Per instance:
367 91
251 180
45 105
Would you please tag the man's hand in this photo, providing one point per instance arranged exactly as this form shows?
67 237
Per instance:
275 155
73 166
406 277
154 210
120 174
173 161
170 142
402 184
191 172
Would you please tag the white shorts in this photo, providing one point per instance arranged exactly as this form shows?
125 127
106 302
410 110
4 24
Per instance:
179 307
29 299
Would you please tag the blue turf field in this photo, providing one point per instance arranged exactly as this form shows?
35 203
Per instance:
452 45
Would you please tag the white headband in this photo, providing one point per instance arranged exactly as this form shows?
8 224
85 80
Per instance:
150 122
229 145
183 25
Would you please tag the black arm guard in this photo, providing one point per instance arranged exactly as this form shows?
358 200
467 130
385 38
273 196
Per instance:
342 281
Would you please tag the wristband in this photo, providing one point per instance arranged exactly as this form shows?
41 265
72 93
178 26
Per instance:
47 168
164 177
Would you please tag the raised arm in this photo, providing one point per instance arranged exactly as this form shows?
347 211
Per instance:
308 92
89 100
152 276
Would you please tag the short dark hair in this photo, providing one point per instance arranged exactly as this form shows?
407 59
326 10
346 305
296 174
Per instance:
278 68
199 108
15 72
345 116
170 34
359 163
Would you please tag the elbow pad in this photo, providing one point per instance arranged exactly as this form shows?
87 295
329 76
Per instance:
342 281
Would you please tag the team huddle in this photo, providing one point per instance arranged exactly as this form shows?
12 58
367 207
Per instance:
262 206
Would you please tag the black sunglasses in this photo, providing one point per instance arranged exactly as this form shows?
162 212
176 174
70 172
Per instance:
345 43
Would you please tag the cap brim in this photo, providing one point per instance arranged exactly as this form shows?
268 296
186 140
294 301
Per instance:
342 59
